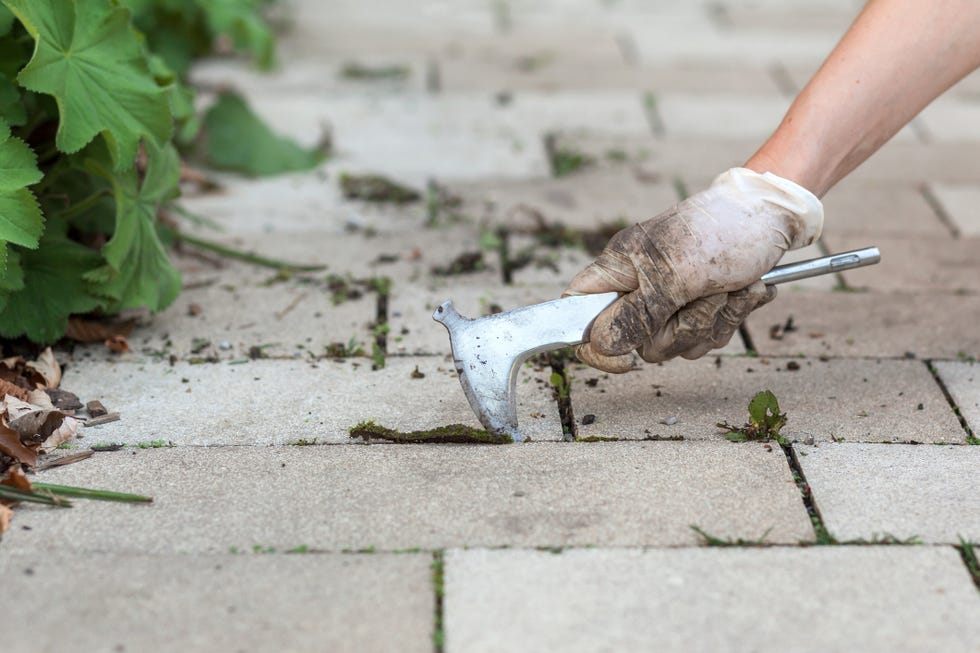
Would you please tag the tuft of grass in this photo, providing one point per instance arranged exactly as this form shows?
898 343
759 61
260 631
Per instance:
361 72
968 551
712 540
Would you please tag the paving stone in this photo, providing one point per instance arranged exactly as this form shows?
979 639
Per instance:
399 496
957 161
857 400
790 20
962 380
865 491
952 120
136 602
875 209
452 136
875 324
922 264
584 200
721 116
280 402
846 598
961 203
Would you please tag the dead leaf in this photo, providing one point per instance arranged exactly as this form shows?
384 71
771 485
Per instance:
5 515
8 388
95 408
89 330
64 433
63 400
40 399
16 478
45 369
11 445
70 459
117 344
46 427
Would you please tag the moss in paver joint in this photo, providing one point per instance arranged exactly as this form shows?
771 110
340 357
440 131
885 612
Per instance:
713 540
968 551
438 589
452 433
375 188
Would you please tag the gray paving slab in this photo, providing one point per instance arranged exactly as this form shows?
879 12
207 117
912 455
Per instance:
937 263
864 491
879 209
855 400
266 402
734 116
207 499
845 598
962 380
872 324
952 120
584 200
111 602
961 203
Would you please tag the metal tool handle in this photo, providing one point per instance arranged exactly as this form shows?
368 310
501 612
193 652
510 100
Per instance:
816 266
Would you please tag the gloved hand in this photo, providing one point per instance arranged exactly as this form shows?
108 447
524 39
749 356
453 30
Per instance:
690 275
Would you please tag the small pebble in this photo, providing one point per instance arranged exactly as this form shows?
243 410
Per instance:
792 366
224 345
669 421
808 440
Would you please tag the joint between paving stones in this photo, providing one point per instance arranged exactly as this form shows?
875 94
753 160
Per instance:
968 552
652 114
782 79
381 326
627 49
806 494
971 438
939 210
433 77
438 591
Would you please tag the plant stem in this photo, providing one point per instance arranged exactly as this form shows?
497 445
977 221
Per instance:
85 493
247 257
13 494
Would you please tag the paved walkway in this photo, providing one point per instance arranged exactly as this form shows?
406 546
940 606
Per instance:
256 543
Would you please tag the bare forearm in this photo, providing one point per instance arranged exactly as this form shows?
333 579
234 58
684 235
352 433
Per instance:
896 58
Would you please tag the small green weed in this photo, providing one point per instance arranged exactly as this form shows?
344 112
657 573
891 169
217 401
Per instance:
713 540
154 444
765 421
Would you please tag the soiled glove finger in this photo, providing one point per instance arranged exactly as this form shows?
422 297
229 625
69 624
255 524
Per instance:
705 324
611 364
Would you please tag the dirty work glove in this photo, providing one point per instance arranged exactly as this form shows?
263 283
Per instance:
691 274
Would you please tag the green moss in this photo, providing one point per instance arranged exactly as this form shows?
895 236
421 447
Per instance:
362 72
452 433
597 438
375 188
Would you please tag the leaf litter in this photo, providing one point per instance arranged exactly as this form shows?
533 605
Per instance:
37 417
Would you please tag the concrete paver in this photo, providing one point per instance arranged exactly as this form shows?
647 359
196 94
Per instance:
877 209
401 496
855 400
276 402
110 602
865 491
928 325
960 202
962 381
844 598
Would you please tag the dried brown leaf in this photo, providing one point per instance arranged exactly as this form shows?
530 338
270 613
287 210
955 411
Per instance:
8 388
5 515
11 445
16 478
89 330
40 399
45 370
46 427
117 344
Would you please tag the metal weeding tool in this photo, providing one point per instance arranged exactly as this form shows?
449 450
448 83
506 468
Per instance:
488 351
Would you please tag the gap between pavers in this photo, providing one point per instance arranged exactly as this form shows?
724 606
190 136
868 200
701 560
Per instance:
207 499
869 324
874 599
864 491
962 381
282 401
857 400
148 603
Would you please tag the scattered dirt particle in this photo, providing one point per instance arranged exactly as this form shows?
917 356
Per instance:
375 188
793 366
465 263
588 419
592 382
96 409
416 374
194 310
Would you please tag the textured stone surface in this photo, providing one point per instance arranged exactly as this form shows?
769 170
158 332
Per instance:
857 400
961 202
400 496
879 209
845 598
282 401
866 491
112 602
962 380
929 325
952 120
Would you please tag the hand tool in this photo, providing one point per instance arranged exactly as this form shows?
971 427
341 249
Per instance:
488 351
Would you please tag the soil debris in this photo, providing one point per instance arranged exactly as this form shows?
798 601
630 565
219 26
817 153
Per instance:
452 433
96 409
375 188
362 72
465 263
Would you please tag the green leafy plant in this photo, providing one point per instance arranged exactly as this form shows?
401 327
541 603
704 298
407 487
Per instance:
93 110
765 421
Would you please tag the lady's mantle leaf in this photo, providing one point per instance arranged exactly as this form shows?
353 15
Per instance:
90 59
20 217
260 152
137 271
53 288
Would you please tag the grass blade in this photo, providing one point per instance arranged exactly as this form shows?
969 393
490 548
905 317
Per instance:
86 493
13 494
